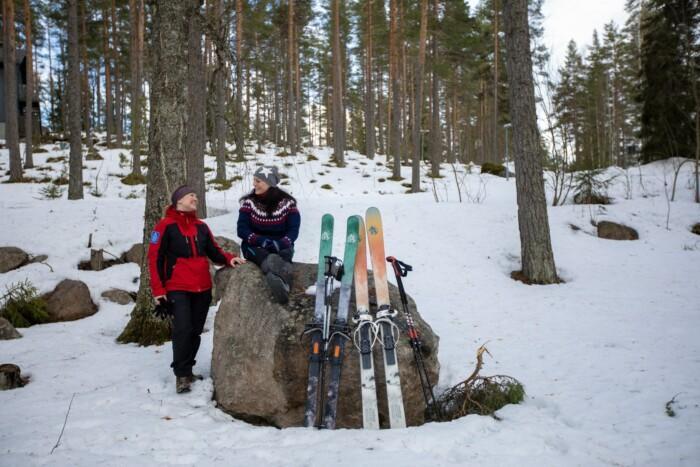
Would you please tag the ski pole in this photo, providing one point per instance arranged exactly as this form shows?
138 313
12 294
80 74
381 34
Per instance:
402 269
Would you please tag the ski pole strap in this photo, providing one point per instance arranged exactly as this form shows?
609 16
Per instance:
400 268
334 268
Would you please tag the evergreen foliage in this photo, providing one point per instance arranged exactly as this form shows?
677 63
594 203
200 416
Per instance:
669 53
590 187
22 306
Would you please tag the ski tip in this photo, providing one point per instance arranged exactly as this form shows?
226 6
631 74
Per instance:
372 211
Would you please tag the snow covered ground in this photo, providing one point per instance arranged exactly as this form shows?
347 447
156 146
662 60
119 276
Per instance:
600 355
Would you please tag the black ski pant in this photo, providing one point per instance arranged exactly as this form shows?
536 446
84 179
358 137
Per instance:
257 255
189 311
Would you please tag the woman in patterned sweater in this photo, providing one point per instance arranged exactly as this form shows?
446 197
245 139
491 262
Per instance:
268 225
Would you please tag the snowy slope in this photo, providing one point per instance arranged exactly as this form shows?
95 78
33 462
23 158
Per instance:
600 355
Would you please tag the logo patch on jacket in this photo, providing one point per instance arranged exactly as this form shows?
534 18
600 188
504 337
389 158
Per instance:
155 236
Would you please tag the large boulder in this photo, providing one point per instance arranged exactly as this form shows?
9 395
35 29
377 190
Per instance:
229 246
7 330
133 254
69 301
613 231
696 228
260 362
10 377
11 258
121 297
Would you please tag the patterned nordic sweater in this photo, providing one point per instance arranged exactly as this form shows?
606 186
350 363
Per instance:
255 225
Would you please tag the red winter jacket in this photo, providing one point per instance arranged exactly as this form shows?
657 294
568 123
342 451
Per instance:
178 251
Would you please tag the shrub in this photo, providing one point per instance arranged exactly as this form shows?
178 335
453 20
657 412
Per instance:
221 185
51 191
93 155
22 305
326 186
311 157
62 180
493 169
482 395
590 188
134 179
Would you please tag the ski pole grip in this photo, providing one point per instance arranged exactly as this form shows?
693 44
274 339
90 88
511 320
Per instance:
400 268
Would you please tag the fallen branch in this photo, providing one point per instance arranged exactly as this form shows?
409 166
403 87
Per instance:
58 441
482 395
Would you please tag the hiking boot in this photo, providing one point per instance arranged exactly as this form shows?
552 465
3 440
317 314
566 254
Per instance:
182 384
278 287
275 264
271 263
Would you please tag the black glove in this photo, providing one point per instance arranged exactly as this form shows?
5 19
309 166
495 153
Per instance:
162 309
273 246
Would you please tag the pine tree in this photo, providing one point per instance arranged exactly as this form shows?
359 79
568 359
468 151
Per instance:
569 102
135 63
669 57
195 131
29 93
535 244
11 111
167 146
75 177
338 101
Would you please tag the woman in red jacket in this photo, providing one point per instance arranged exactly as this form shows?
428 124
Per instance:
178 255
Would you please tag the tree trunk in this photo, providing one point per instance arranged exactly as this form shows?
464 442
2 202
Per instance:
63 89
278 97
291 138
167 147
435 134
220 97
11 107
536 247
380 111
86 77
240 140
394 79
29 93
108 78
496 157
369 90
75 179
117 80
258 103
135 64
52 88
297 100
482 121
337 72
418 103
196 130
